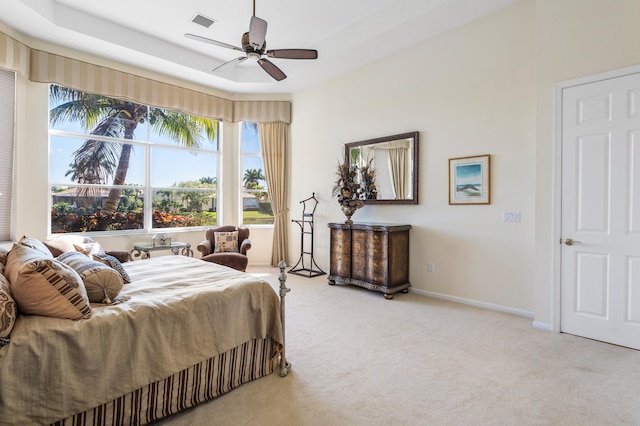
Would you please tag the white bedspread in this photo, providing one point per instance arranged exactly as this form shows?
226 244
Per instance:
180 312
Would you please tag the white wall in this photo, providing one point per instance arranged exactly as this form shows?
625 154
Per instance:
468 92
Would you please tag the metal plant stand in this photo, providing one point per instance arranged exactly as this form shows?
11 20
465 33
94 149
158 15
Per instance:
310 268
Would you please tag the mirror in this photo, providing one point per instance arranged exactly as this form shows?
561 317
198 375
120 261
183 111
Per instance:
395 162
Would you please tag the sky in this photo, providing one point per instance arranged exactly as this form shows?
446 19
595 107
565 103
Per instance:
168 166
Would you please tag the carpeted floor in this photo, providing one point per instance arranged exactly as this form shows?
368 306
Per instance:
359 359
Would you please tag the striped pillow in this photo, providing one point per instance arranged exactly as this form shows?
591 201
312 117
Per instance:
44 286
101 282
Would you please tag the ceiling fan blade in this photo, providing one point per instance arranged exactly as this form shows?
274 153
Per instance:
257 32
293 53
230 63
271 69
210 41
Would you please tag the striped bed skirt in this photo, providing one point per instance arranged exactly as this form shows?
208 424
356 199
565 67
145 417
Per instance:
185 389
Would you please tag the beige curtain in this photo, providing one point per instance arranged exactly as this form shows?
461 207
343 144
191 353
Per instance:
45 67
398 171
14 55
274 146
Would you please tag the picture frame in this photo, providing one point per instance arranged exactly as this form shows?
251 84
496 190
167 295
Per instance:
469 180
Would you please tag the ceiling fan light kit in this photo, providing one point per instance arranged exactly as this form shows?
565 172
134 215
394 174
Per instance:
254 47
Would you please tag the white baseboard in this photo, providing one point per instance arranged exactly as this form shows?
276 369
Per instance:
542 326
475 303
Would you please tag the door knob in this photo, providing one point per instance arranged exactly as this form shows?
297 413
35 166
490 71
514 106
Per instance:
571 242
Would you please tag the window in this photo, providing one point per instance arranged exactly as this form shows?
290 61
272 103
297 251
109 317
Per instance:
256 205
119 166
7 120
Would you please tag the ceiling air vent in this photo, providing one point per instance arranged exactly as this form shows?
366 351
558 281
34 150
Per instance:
200 19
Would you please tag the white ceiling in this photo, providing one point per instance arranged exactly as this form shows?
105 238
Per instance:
150 33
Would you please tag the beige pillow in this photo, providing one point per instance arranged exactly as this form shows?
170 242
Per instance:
36 245
101 282
59 246
44 286
8 309
226 242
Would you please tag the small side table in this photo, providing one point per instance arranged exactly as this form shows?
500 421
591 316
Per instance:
176 248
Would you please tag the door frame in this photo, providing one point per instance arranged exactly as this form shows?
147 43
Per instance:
557 180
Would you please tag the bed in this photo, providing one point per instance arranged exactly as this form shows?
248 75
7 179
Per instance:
182 332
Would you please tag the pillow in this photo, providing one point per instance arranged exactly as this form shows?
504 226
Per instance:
114 263
3 259
226 242
59 246
36 245
8 309
44 286
89 249
101 282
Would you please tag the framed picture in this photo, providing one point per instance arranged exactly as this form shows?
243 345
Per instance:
469 180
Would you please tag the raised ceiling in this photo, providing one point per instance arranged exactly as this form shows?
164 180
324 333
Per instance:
150 33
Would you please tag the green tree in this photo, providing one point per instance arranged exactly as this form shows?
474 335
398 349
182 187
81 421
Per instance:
252 177
96 161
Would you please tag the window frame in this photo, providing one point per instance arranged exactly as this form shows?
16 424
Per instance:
8 107
147 144
242 190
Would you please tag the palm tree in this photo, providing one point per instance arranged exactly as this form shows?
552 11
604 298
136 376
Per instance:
252 177
96 161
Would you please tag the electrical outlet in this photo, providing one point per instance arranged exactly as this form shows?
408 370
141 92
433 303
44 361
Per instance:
511 216
431 267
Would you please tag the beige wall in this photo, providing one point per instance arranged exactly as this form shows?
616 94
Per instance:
487 87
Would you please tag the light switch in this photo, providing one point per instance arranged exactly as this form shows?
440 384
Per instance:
511 216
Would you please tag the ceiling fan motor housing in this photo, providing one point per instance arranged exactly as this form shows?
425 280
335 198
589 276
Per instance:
249 48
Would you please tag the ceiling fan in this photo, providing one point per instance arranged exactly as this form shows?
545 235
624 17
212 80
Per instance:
254 46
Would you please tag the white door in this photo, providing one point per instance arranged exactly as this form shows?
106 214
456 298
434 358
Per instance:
601 211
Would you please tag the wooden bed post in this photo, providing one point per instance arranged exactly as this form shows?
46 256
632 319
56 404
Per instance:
284 365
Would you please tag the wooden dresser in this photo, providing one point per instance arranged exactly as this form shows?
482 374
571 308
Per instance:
370 255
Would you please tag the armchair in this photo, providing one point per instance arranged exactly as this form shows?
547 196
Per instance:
226 245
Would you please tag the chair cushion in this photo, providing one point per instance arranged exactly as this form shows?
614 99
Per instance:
8 309
226 242
102 283
236 261
44 286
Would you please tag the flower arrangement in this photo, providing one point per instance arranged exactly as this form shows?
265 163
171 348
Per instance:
353 185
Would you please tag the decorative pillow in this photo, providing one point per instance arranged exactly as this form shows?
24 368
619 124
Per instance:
90 248
226 242
101 282
3 259
59 246
8 309
114 263
36 245
44 286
